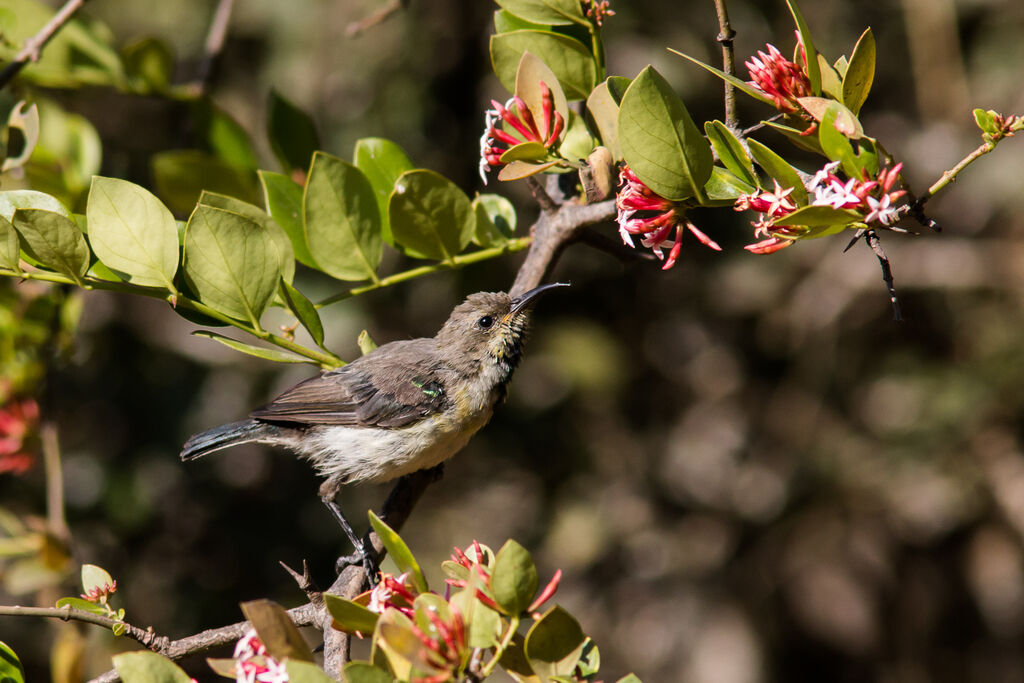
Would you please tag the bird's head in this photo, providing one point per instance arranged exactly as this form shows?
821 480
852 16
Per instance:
489 327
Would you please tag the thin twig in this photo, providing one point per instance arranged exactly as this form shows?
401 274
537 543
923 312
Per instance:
377 17
725 37
34 45
56 521
541 196
215 39
876 246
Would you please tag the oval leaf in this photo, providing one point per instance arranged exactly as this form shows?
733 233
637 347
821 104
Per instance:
604 111
660 141
132 233
283 198
94 577
569 59
514 579
342 222
860 73
730 151
29 199
517 170
525 151
54 241
364 672
779 170
349 616
84 605
553 645
230 262
148 667
276 630
430 214
399 551
382 161
495 220
818 216
531 72
553 12
285 255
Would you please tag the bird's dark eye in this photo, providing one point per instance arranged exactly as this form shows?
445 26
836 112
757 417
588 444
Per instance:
485 322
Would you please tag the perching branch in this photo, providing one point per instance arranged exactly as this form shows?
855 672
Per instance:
34 45
725 37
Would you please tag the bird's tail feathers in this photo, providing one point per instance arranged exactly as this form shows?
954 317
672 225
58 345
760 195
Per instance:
245 431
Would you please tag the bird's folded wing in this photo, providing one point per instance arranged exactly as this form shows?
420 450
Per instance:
389 396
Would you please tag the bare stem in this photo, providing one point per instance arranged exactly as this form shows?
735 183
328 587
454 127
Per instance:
950 175
34 45
214 43
725 37
379 16
56 521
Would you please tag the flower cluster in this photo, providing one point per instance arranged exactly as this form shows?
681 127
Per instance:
253 664
99 594
519 127
392 592
778 78
658 221
17 420
475 566
597 10
445 645
873 198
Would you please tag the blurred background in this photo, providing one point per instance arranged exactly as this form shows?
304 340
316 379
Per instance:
746 469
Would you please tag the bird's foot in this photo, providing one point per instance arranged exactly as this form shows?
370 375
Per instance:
363 555
357 559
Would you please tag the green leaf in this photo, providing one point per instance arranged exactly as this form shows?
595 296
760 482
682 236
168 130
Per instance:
860 74
723 188
364 672
505 21
517 170
10 248
743 86
569 59
629 678
514 579
590 660
349 616
305 672
431 215
831 81
342 221
224 135
730 151
553 644
304 310
399 551
553 12
285 255
230 262
808 142
84 605
813 73
149 64
483 623
132 233
525 151
845 121
291 132
818 216
495 220
577 143
148 667
10 665
836 145
604 111
259 351
779 169
276 630
94 577
181 176
283 199
660 141
365 343
986 121
382 161
54 241
29 199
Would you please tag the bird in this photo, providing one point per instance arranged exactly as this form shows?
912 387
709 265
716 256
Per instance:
407 405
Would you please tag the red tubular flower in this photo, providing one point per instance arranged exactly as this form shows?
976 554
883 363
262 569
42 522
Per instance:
100 593
517 116
548 591
447 642
778 78
644 213
392 592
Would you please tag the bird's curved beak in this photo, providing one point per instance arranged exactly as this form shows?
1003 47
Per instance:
527 298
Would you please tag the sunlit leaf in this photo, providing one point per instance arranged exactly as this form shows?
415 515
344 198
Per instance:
12 200
25 118
554 12
10 665
517 170
349 616
530 73
817 216
514 579
276 630
568 58
286 257
341 218
495 220
84 605
525 151
813 73
660 141
305 672
860 74
723 188
148 667
54 241
132 233
779 169
382 161
554 643
730 151
282 197
399 551
430 214
604 111
10 248
276 355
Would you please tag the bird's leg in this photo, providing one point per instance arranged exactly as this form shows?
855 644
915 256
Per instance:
363 555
